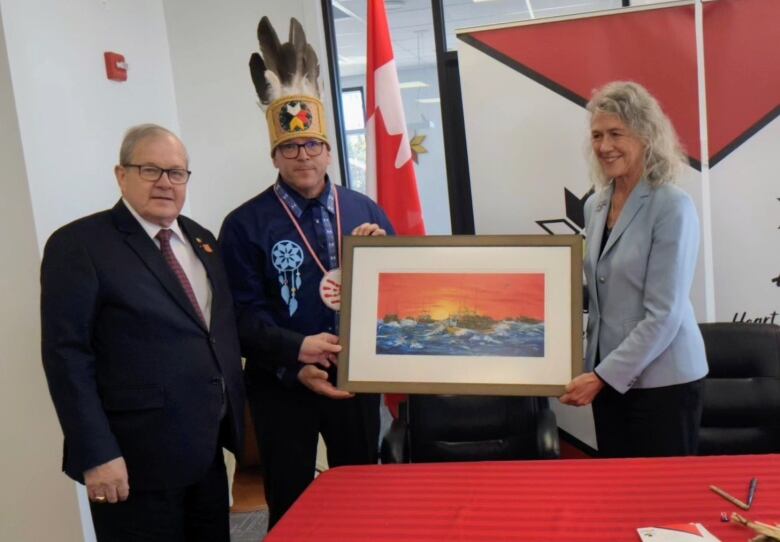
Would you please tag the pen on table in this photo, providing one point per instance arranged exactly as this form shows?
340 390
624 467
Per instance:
732 500
752 491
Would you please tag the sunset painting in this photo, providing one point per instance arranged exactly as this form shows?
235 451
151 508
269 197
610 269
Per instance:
461 314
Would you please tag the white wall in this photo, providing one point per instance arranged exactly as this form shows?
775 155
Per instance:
61 123
71 117
746 230
70 123
221 123
32 487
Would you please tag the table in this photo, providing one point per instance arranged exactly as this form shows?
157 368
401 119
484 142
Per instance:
577 500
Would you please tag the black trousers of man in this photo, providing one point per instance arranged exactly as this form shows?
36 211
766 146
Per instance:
194 513
287 423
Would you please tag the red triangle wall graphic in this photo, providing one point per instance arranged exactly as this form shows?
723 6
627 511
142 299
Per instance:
656 48
742 67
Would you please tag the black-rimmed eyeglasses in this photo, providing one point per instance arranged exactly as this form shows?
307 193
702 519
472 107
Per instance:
153 173
292 150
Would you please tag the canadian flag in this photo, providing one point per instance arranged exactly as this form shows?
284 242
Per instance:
390 178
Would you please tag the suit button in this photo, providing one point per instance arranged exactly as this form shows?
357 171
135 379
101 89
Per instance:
602 280
213 340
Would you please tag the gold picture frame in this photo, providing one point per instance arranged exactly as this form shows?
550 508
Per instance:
472 315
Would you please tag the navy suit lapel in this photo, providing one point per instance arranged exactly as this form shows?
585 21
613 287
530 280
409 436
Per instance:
144 247
636 201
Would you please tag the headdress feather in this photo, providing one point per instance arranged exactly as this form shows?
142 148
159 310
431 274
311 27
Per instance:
284 69
286 77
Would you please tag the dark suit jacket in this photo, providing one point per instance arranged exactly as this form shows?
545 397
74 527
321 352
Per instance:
131 369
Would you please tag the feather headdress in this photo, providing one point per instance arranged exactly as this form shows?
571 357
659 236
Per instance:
286 78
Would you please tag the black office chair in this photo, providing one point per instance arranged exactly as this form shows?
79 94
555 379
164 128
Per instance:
433 428
742 391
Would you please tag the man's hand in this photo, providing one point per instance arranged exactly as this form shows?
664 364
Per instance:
317 381
108 482
582 390
366 229
321 349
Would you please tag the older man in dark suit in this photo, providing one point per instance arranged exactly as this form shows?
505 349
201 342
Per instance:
141 354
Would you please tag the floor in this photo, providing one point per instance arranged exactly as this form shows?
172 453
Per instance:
248 526
249 514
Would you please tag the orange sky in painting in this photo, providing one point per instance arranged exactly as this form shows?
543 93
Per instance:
498 295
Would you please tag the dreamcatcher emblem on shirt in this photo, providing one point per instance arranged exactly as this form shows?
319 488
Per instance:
330 285
287 258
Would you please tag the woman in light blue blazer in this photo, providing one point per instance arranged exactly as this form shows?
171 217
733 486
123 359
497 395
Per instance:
645 360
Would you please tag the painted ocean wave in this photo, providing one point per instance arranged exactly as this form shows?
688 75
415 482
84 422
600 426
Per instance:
505 338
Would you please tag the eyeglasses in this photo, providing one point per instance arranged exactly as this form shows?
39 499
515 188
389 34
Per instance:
153 173
292 150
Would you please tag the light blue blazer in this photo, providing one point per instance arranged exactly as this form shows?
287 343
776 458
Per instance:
640 313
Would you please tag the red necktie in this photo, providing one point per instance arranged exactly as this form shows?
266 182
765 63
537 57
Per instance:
164 236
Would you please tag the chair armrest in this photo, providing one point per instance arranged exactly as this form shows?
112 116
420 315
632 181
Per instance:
547 441
394 445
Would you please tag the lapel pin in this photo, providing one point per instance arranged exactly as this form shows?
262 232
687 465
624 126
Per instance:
207 248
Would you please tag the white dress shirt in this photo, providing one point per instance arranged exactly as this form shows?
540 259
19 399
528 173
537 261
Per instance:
185 254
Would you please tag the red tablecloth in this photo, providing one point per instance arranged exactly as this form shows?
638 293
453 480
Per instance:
532 501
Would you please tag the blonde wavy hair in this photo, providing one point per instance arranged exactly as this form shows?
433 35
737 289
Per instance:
640 112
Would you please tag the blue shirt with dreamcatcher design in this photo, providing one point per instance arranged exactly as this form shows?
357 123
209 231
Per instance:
274 279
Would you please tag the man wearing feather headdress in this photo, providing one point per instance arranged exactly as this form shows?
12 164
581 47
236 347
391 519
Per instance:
282 250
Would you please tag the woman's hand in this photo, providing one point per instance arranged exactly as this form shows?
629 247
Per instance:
582 390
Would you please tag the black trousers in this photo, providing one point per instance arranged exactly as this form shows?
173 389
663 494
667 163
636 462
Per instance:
649 422
195 513
287 424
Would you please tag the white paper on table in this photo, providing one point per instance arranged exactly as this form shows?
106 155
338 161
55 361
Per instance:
679 532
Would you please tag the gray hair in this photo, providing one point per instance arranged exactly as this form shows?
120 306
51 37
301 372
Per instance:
136 134
641 113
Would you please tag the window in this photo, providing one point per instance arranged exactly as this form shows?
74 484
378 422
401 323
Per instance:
354 112
411 27
413 34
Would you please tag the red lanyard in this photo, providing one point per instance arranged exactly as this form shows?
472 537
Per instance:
303 235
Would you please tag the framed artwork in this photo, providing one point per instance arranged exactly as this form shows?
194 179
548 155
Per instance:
476 315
